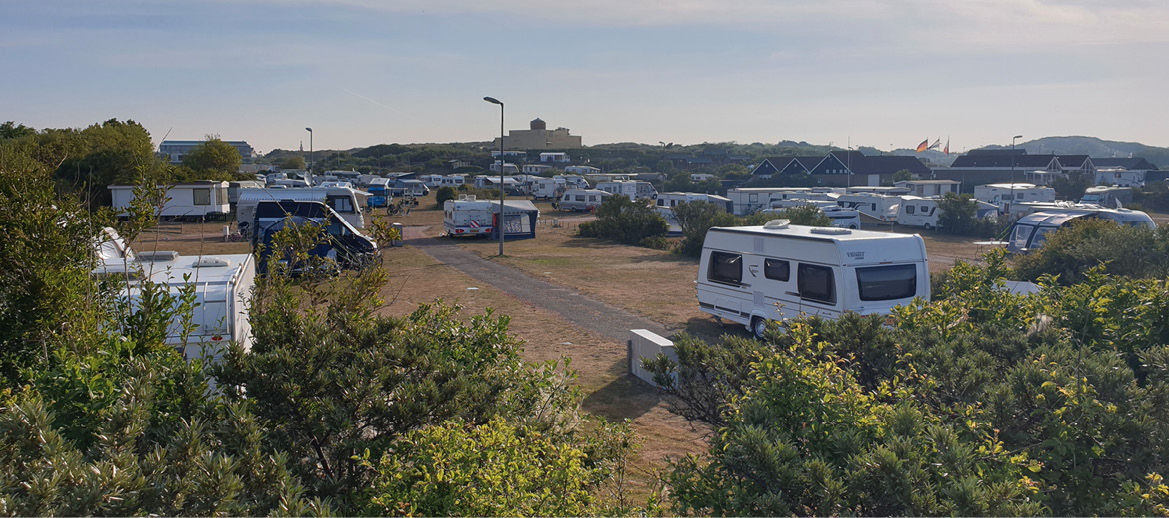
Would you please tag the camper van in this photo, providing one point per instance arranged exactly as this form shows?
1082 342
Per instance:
584 200
344 246
195 200
471 217
880 207
635 190
546 188
223 286
343 200
1030 231
779 271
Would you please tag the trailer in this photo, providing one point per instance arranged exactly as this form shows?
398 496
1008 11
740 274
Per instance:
1006 195
343 200
673 199
222 289
749 200
778 271
1030 231
880 207
194 200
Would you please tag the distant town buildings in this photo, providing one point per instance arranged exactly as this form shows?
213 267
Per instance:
176 149
843 168
540 137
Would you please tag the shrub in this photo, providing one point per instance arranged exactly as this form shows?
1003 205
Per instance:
957 215
625 221
1070 252
696 218
445 193
809 215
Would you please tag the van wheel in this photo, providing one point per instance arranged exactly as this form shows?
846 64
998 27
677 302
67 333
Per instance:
929 227
758 327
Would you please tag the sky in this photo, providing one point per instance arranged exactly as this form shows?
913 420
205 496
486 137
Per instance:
879 73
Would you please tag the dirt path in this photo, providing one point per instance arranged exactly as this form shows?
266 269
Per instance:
608 321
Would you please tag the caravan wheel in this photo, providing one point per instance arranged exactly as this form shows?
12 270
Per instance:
758 327
929 227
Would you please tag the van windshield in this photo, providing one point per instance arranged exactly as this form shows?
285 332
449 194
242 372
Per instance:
887 282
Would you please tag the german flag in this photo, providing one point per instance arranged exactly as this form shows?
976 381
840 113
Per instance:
925 144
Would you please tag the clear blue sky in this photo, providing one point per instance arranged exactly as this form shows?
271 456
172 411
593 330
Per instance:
363 72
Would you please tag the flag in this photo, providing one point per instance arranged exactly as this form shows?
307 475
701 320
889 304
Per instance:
923 146
935 144
947 150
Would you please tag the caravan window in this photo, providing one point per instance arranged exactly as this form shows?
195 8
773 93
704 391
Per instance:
1041 236
202 196
909 209
341 204
816 283
1020 236
725 267
776 269
887 282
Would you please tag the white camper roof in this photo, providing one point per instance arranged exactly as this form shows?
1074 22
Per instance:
848 247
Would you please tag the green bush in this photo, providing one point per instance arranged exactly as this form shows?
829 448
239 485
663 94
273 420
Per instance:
445 193
957 215
695 218
625 221
1070 252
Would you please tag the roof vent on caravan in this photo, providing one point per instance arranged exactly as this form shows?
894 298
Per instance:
158 256
466 197
836 231
777 224
212 262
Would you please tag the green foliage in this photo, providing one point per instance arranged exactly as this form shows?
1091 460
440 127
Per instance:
445 193
981 402
292 162
903 175
957 214
695 218
214 155
1154 196
625 221
1073 186
491 469
1069 253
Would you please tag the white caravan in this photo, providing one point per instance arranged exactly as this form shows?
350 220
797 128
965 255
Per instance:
880 207
582 199
223 285
779 271
841 217
1006 195
572 181
673 199
471 217
343 200
749 200
546 188
195 200
634 189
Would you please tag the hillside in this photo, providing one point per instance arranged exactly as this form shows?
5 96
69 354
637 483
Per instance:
1096 147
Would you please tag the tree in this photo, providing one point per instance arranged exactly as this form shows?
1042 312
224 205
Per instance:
695 219
11 130
903 175
292 162
213 155
1073 186
445 193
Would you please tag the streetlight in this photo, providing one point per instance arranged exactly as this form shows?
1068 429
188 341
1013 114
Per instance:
1013 170
310 157
499 222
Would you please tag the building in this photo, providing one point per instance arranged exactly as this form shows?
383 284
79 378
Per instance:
843 168
176 149
985 166
536 169
539 137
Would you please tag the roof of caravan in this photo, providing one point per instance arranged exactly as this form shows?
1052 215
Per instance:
819 233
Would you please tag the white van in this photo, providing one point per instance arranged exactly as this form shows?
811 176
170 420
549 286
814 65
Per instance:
780 271
582 199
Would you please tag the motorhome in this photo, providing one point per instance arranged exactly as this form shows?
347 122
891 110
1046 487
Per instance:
546 188
431 180
779 271
409 188
1006 195
195 200
582 199
635 190
673 199
881 207
1107 196
1030 232
343 247
223 286
453 180
471 217
572 181
343 200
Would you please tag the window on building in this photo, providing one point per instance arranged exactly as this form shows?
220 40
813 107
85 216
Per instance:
776 269
202 196
887 282
816 283
725 268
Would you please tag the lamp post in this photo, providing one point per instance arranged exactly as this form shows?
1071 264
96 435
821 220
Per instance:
499 222
1013 169
310 156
